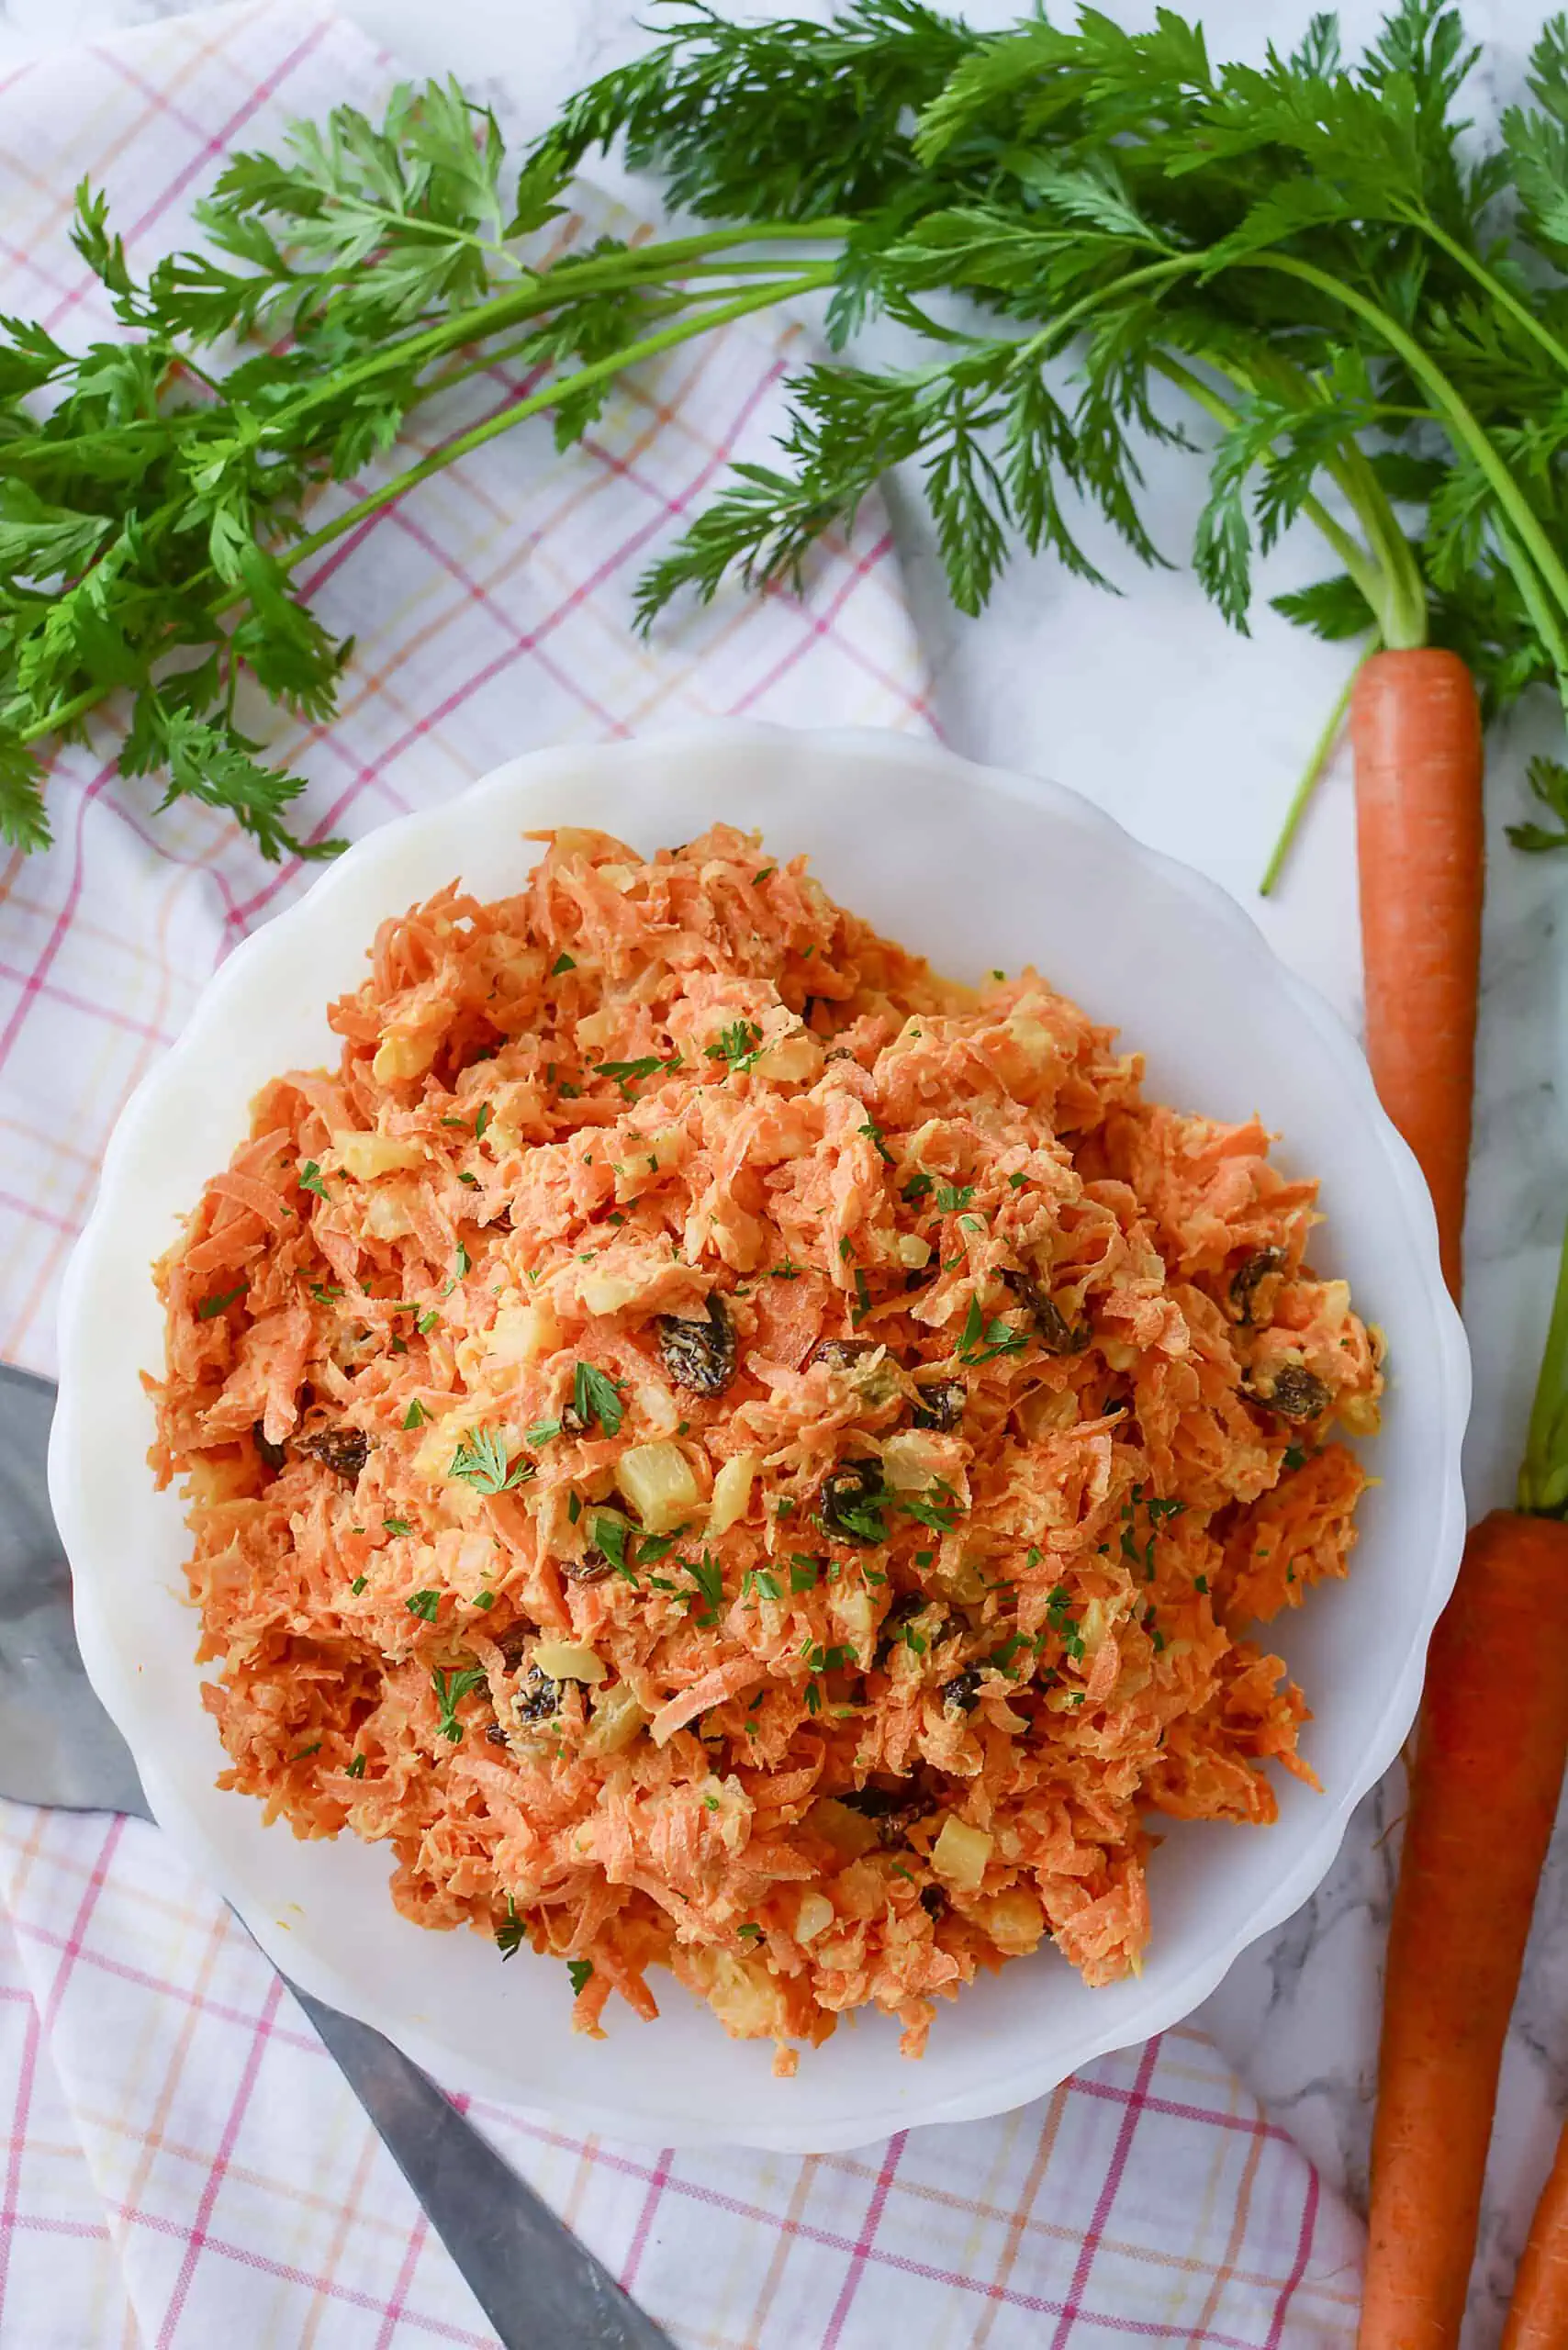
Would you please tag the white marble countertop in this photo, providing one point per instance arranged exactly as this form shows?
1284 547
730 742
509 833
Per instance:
1193 736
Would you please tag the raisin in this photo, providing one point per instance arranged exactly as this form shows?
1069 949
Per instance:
273 1455
961 1695
1248 1279
593 1567
344 1451
513 1644
841 1354
893 1811
539 1698
850 1503
934 1901
699 1356
495 1735
1295 1395
1055 1332
941 1405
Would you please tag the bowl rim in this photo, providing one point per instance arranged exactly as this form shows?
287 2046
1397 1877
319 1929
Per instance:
69 1444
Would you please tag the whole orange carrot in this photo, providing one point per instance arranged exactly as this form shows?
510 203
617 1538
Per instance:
1494 1742
1537 2318
1416 731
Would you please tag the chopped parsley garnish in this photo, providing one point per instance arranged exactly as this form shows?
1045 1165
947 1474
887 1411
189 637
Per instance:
578 1970
423 1604
212 1305
574 1509
1003 1657
464 1262
563 963
951 1197
708 1578
1200 1582
766 875
628 1073
1018 1179
803 1574
749 1933
596 1397
981 1342
873 1134
917 1187
456 1122
305 1750
542 1433
846 1248
471 1180
653 1547
610 1536
737 1045
941 1514
569 1092
397 1526
509 1936
416 1415
1295 1458
757 1583
481 1461
482 1119
485 1599
358 1584
788 1271
427 1322
356 1767
310 1180
325 1292
449 1687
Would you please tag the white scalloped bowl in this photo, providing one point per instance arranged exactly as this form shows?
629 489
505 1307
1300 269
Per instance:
975 868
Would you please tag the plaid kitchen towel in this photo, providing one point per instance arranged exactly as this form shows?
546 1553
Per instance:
184 2166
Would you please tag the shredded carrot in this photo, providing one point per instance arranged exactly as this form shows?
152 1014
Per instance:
731 1453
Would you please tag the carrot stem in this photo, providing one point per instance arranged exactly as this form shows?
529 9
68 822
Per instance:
1543 1471
1322 752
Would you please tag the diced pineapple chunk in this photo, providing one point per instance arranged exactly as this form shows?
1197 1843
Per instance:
731 1493
610 1292
366 1156
405 1053
386 1213
960 1853
524 1333
568 1660
913 1252
815 1916
1013 1919
617 1718
794 1060
597 1029
660 1483
914 1459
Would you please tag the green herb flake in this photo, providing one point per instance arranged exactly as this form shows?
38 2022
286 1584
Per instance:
562 964
310 1180
358 1584
480 1461
579 1970
397 1526
450 1687
356 1767
510 1937
416 1415
595 1395
951 1197
423 1604
210 1306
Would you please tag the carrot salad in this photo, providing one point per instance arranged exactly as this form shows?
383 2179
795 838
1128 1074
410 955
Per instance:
731 1453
